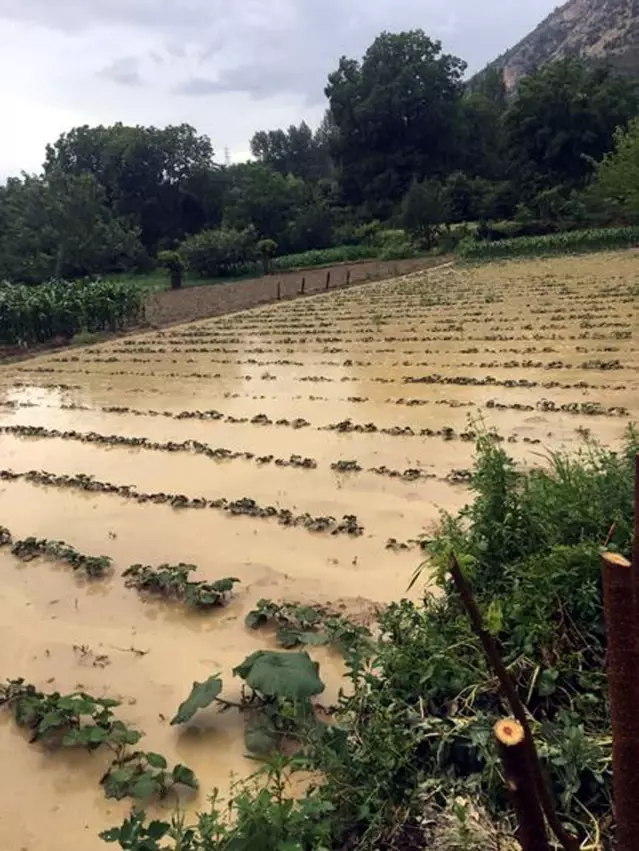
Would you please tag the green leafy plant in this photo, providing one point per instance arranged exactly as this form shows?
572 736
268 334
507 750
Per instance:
281 685
143 775
72 720
298 625
172 581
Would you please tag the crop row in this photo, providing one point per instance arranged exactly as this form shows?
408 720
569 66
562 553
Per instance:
31 315
348 525
410 474
27 549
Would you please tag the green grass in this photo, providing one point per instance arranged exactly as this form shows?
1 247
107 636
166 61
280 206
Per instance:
570 242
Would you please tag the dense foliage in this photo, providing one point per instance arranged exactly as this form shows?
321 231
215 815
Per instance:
409 760
403 143
59 309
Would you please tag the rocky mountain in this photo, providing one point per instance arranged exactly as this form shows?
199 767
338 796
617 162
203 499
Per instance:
597 30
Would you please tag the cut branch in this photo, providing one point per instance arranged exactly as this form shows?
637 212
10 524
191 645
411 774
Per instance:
622 667
567 842
511 745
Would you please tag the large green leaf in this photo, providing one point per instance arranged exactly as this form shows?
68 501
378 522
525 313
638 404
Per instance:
202 694
288 675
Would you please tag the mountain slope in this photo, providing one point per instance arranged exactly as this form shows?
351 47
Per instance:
597 30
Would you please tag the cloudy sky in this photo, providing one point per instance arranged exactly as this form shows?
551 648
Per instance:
229 67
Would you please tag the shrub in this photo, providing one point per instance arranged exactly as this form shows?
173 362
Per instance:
221 251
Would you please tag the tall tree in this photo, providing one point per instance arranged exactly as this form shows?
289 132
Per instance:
562 121
297 151
395 116
164 179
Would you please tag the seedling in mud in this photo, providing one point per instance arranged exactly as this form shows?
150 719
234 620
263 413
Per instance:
79 720
72 720
30 548
172 581
280 686
298 625
143 775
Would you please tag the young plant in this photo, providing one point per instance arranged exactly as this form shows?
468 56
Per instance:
298 625
281 685
143 775
172 581
72 720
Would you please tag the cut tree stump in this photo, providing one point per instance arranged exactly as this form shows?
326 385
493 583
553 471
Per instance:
522 788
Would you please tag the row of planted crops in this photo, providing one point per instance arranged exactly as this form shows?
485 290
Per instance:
61 309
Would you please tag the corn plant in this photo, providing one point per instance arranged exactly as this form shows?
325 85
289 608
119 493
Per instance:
60 309
594 239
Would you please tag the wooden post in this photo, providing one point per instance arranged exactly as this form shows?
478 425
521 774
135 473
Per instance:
328 279
531 832
567 842
635 546
302 290
622 665
279 290
348 277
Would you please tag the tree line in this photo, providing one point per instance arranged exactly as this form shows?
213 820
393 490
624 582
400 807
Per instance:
405 144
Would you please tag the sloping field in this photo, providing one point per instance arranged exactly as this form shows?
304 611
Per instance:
301 447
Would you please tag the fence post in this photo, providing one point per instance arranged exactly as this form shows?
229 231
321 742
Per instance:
348 277
279 290
303 289
328 279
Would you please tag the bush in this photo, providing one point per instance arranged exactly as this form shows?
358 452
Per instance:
222 251
571 242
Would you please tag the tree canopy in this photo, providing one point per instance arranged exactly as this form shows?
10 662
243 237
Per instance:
404 142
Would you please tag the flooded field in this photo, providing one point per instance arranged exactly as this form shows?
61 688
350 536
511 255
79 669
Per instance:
302 448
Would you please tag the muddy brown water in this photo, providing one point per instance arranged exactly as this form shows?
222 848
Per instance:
571 318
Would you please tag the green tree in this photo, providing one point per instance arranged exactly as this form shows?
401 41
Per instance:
563 120
615 188
219 252
424 211
163 179
395 115
296 151
62 227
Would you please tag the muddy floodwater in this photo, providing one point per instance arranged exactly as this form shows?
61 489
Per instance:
268 405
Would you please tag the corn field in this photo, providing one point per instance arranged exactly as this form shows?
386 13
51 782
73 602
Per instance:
595 239
35 314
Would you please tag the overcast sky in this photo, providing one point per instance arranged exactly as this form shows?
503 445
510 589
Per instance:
229 67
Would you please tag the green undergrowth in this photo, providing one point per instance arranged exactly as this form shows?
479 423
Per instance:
569 242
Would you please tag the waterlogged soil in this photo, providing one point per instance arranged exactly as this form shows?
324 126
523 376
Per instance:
360 404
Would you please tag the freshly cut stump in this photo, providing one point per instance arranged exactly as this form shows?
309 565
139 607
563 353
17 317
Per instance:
511 744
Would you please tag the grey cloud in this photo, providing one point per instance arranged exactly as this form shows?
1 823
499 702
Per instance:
271 47
123 71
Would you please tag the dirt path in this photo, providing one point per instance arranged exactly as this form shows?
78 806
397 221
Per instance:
173 306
